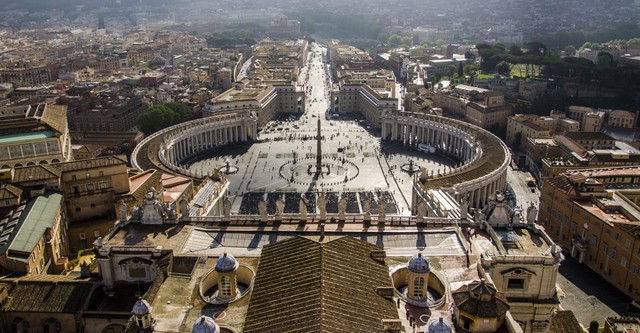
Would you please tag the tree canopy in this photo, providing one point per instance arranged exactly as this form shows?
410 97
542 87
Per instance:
159 117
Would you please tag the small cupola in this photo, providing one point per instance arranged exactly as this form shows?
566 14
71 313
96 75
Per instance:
205 325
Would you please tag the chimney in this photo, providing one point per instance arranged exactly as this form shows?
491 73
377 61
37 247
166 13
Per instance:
386 292
85 270
392 325
379 255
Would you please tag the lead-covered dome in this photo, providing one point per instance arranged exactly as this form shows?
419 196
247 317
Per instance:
439 326
226 263
418 264
141 307
205 325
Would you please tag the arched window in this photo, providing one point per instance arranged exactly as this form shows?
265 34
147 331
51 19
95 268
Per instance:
20 325
52 325
225 286
418 287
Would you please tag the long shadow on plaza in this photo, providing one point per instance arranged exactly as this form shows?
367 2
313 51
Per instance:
232 151
590 283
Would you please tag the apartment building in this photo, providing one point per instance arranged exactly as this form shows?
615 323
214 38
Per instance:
594 214
622 119
584 150
33 236
522 127
34 134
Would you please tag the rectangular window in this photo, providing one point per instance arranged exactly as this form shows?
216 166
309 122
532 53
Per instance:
594 240
627 243
73 177
623 261
605 247
614 254
634 269
515 284
137 272
617 236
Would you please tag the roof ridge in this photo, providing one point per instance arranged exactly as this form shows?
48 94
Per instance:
323 261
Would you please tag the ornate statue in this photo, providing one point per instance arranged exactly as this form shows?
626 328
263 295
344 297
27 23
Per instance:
322 206
464 208
516 217
342 207
422 211
480 217
262 208
226 207
123 211
532 213
279 208
367 209
302 207
382 207
184 208
136 214
171 212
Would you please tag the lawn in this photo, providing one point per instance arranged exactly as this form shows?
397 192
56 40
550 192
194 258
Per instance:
521 71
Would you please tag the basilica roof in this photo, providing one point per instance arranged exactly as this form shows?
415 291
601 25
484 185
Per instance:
303 285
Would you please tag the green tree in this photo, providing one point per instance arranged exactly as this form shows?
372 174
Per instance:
517 140
181 108
406 42
604 61
440 42
570 50
470 69
460 69
503 68
451 71
469 55
158 117
633 42
395 41
586 45
515 50
383 37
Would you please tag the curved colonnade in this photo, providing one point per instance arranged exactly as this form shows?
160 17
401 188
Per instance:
172 145
485 158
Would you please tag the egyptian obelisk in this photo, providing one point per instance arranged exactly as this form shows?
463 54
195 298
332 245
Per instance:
319 150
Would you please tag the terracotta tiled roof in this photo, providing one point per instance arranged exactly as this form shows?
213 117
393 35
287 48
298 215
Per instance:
91 163
47 296
309 286
10 192
56 117
36 172
480 299
565 322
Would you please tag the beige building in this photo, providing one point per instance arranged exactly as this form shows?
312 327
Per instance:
34 134
478 106
622 119
594 215
34 236
583 150
90 186
533 126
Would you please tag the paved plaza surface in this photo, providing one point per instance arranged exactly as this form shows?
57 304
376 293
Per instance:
283 157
